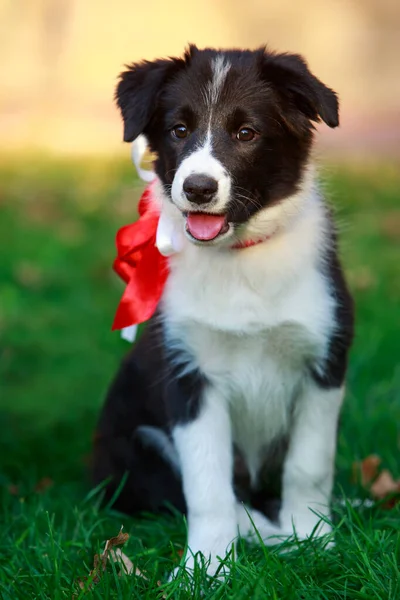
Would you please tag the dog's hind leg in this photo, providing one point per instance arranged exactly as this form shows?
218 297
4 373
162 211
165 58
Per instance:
133 451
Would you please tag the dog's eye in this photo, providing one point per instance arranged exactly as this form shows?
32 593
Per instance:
180 131
245 134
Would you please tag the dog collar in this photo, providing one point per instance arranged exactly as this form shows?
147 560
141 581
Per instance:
249 243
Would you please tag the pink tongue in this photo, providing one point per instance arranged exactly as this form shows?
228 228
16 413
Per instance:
204 227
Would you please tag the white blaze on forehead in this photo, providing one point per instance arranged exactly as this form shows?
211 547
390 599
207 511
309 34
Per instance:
202 160
220 67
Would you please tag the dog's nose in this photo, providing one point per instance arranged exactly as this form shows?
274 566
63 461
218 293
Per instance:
200 189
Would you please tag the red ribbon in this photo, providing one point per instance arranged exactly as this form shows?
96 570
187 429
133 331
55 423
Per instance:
140 265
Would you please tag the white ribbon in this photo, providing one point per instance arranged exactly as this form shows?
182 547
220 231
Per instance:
129 333
169 237
138 150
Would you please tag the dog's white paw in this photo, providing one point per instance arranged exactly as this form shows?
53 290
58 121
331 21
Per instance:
207 547
305 524
191 563
253 526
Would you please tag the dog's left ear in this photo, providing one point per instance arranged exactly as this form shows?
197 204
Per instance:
290 76
138 91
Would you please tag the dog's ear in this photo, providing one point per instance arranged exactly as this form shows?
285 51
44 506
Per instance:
139 89
290 76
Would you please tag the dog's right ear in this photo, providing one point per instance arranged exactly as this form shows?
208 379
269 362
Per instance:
138 91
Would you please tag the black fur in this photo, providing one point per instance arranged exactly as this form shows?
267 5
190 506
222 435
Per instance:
334 369
183 389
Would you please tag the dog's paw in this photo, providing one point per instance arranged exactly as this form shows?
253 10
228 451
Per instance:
254 527
306 524
211 566
210 541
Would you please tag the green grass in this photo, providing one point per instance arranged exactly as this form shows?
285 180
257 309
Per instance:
57 355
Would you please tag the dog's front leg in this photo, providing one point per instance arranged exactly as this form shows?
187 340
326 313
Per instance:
309 466
204 446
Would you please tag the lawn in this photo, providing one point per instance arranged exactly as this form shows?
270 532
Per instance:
57 355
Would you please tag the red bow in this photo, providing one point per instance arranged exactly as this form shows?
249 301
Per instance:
140 265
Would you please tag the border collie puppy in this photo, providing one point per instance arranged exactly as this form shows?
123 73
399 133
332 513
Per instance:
233 392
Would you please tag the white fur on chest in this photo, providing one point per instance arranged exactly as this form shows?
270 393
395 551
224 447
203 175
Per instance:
252 320
258 375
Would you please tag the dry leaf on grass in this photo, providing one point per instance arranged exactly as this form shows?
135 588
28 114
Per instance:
384 485
114 554
100 560
379 484
13 489
118 556
364 472
43 484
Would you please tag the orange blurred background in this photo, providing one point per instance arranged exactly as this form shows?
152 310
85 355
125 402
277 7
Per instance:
59 61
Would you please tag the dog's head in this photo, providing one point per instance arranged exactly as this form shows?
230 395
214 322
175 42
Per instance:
232 131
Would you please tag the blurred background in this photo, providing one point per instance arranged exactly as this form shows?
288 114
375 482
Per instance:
67 185
59 61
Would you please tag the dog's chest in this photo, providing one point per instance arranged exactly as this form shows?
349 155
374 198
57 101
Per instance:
258 376
252 330
261 289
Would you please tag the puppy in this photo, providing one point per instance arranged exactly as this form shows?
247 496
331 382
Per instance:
233 392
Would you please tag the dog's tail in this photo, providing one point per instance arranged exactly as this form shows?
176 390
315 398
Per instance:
159 440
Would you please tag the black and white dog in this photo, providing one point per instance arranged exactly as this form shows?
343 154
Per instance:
233 393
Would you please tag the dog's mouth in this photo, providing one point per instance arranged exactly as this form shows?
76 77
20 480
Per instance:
205 227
